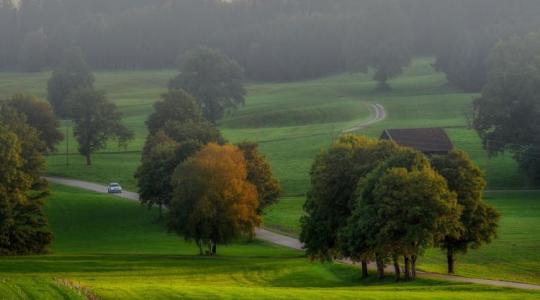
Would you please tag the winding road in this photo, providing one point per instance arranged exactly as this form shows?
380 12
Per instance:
379 114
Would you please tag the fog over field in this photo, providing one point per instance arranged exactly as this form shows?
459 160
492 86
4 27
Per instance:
269 149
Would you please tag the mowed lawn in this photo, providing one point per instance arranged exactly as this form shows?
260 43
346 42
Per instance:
115 249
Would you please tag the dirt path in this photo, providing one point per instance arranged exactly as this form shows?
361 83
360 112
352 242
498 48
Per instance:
294 243
378 115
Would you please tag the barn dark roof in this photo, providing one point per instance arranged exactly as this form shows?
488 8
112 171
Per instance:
426 140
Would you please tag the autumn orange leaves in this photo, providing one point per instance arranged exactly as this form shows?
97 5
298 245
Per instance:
213 202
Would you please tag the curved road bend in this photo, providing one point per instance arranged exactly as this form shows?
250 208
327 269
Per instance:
378 115
293 243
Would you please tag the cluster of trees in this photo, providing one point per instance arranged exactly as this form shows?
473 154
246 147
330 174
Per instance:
377 201
271 39
507 114
72 95
28 130
213 191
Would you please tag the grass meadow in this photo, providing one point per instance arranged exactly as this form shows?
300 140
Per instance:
121 251
115 249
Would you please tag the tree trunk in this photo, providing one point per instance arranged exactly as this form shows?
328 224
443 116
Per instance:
396 267
450 260
88 160
199 244
365 273
214 248
160 211
407 271
413 266
380 267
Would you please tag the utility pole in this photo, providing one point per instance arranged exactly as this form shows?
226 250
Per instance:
67 144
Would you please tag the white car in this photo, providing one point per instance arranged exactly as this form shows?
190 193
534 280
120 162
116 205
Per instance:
114 188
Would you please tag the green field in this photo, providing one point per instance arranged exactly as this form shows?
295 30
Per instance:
292 122
116 249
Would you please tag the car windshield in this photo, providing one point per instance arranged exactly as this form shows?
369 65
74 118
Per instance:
114 185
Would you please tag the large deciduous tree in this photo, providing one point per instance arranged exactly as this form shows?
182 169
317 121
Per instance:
213 201
213 79
259 173
177 131
478 219
40 116
403 207
177 106
507 115
72 74
330 201
96 121
23 225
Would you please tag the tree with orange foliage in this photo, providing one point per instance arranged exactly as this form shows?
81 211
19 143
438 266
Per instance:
213 202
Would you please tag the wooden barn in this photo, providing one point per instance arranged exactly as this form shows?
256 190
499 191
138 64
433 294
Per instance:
430 141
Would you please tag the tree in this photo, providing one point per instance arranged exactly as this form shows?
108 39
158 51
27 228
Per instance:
403 206
40 116
177 131
213 202
415 209
334 177
259 173
464 62
96 121
478 219
33 55
72 74
160 158
507 115
176 105
213 79
385 47
23 225
13 183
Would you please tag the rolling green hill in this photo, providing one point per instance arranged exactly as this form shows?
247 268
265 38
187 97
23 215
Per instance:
292 122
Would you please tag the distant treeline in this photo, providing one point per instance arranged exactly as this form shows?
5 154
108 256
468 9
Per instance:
271 39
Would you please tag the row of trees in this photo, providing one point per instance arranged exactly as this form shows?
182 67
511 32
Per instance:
271 39
376 201
28 130
214 192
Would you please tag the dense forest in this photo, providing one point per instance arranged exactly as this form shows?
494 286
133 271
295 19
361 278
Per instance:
271 39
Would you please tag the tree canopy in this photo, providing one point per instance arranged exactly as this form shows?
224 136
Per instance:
213 79
479 220
507 115
40 116
176 105
213 202
259 173
96 120
23 225
72 74
177 130
334 177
